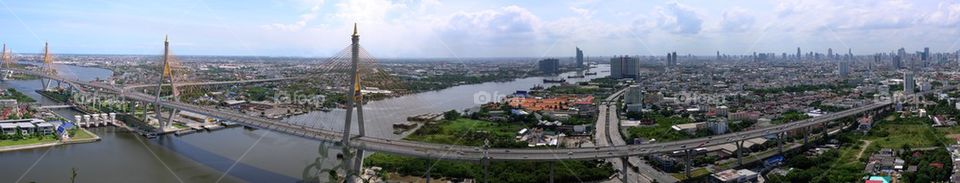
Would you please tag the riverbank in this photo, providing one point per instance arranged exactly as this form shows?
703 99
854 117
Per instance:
83 136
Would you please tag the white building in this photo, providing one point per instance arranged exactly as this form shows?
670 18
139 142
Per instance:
731 175
717 126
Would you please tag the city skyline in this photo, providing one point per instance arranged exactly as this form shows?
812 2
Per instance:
481 29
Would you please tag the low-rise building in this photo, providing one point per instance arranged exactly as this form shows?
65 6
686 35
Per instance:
742 175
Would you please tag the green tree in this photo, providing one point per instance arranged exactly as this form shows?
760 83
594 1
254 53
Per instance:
451 115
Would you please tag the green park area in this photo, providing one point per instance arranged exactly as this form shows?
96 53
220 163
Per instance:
463 131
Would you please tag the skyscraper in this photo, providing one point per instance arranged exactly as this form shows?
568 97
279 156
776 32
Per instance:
624 67
550 66
579 58
674 62
844 69
829 53
897 62
799 57
669 59
849 55
926 54
908 83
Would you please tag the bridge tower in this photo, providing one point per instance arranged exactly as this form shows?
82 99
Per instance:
47 67
355 100
166 75
6 56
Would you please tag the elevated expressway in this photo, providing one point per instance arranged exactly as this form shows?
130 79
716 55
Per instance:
470 153
215 82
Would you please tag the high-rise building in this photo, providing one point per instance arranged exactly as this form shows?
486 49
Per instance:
908 83
674 59
799 57
897 62
844 69
550 66
926 54
624 67
669 59
718 126
718 55
633 98
829 53
579 58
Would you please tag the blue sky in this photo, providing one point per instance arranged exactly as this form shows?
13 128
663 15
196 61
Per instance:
499 28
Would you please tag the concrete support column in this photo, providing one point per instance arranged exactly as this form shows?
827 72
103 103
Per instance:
624 172
826 132
485 162
686 163
552 164
739 153
428 173
780 138
145 108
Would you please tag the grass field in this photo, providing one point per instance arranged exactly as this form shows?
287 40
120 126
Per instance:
466 132
83 134
913 132
662 131
46 139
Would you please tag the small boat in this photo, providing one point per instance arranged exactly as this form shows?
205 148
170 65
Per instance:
575 76
554 80
590 73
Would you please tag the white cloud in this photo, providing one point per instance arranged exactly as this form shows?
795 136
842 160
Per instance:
679 18
736 20
946 15
304 19
819 15
581 11
509 24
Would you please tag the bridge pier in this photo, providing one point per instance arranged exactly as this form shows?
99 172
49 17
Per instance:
687 163
485 161
806 135
552 164
826 132
145 108
624 172
739 153
780 139
428 173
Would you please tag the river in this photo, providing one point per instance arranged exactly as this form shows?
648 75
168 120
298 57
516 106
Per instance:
266 156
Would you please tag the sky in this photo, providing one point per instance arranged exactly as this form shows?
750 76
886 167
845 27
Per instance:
464 29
